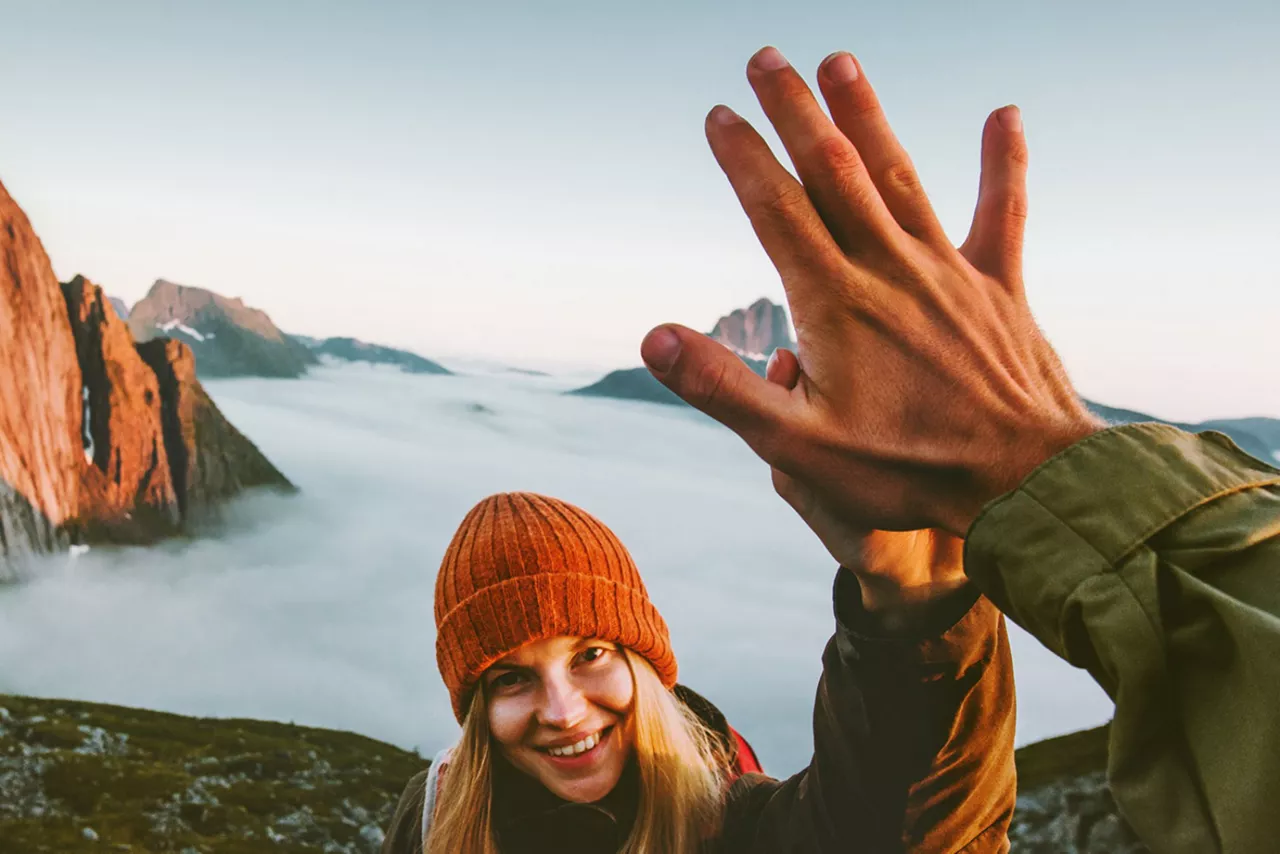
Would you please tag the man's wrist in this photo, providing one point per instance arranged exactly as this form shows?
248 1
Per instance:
1010 469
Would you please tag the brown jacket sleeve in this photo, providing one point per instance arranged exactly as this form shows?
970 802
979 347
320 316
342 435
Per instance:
913 744
404 834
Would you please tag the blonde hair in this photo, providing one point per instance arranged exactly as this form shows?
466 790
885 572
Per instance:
682 777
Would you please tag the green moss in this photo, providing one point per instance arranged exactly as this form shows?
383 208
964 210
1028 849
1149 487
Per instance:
83 781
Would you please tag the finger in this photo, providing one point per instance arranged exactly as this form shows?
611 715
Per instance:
782 214
994 244
828 164
856 111
709 377
783 368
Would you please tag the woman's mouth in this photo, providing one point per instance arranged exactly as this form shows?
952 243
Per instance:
581 751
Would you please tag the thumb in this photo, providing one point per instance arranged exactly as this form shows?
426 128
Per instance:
709 377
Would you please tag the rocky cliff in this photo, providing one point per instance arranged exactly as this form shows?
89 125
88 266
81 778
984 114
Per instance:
211 461
755 331
127 491
229 338
97 438
42 455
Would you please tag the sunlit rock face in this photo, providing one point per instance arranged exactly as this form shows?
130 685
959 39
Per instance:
89 429
41 449
127 491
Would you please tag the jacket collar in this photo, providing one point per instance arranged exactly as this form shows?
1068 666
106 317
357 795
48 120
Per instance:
529 818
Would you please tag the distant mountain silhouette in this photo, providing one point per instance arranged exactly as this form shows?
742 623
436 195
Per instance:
228 338
355 350
1266 429
639 384
1247 437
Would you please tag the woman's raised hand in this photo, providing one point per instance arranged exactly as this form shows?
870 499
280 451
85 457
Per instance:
899 571
925 387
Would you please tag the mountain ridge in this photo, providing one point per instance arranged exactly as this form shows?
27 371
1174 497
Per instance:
228 338
349 349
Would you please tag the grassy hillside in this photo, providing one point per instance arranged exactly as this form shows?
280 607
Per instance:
87 777
81 777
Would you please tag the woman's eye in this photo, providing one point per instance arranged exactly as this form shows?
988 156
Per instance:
593 653
505 681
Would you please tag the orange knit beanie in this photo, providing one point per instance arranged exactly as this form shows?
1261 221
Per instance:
524 567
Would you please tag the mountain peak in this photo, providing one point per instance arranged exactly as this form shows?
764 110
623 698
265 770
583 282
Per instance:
755 331
228 337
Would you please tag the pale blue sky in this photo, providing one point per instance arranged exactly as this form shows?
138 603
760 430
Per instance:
529 181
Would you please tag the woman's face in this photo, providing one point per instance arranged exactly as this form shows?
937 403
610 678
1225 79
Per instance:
558 710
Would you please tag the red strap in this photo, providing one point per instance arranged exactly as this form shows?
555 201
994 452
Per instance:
747 762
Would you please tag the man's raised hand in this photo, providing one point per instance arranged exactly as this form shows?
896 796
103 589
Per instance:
926 388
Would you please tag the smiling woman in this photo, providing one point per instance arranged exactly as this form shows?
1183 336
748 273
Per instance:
569 736
576 736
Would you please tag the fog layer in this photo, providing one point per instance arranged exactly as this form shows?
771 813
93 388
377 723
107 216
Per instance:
318 608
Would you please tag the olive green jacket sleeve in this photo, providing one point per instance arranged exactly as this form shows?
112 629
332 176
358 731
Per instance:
1151 557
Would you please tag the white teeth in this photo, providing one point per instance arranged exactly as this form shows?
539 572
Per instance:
574 749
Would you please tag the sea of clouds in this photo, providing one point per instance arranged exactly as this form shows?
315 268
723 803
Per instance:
317 608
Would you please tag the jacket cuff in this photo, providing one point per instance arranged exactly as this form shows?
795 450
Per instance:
962 630
1081 513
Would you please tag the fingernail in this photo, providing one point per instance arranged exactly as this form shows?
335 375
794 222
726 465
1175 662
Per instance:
1010 118
722 115
840 68
768 366
769 59
660 349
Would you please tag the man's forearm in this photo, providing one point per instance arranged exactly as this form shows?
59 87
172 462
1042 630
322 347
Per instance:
1151 557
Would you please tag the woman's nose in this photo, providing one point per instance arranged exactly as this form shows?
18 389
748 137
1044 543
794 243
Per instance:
564 706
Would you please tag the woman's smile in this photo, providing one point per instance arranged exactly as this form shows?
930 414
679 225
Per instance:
568 748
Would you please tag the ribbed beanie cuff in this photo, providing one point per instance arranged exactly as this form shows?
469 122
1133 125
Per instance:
498 620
